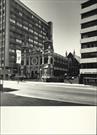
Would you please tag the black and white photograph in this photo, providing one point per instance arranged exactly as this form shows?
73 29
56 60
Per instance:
48 53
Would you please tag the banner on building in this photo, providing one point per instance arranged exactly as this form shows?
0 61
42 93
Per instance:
18 56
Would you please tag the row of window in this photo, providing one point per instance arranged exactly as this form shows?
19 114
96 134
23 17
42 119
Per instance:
28 41
28 38
2 18
89 24
88 14
45 61
2 63
2 4
30 62
89 45
88 3
31 28
89 34
2 8
89 55
88 65
26 20
12 50
20 10
16 8
18 41
1 57
21 33
18 45
90 75
24 14
2 25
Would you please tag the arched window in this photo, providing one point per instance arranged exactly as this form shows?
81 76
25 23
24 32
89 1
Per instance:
51 61
45 60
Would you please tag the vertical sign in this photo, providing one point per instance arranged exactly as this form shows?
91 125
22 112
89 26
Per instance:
18 58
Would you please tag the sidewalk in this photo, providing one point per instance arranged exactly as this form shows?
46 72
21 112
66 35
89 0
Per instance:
16 84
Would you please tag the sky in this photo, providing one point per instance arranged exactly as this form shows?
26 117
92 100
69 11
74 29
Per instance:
65 15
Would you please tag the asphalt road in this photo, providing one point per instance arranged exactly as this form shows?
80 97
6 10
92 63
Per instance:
8 99
69 93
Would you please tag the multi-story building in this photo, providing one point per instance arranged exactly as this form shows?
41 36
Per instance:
54 66
20 29
88 71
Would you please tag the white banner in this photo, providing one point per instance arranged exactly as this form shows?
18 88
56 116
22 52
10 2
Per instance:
18 59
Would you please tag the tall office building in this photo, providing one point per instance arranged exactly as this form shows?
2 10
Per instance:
88 71
20 28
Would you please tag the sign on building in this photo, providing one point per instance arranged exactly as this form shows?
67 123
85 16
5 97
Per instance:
18 56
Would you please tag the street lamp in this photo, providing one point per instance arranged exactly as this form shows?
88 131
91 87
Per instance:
1 80
2 71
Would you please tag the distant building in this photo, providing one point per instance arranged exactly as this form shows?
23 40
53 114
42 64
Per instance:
21 29
88 71
54 66
73 64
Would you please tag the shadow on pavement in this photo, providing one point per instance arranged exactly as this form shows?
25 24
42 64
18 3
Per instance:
8 99
9 90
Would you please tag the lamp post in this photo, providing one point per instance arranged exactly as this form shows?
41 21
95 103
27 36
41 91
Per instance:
2 74
1 69
1 80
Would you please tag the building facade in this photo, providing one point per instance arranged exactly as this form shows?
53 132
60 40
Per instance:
54 65
21 29
73 64
88 71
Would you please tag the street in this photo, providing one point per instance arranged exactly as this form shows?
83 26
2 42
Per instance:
59 92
